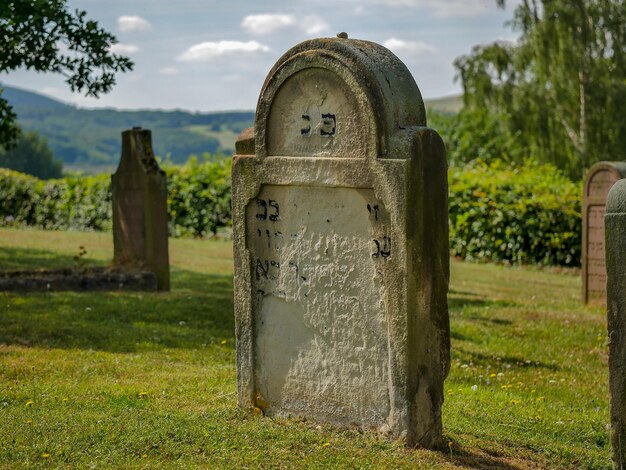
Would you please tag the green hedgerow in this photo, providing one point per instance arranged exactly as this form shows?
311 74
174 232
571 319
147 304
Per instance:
527 214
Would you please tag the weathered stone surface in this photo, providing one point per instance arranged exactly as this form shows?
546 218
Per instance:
341 245
140 236
615 226
601 177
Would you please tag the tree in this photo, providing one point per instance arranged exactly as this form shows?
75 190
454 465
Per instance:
42 35
562 86
31 155
475 134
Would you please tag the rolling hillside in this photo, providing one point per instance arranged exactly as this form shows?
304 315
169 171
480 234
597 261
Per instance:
89 139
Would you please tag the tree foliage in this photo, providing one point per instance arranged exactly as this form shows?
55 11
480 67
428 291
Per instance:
562 86
476 134
43 35
33 156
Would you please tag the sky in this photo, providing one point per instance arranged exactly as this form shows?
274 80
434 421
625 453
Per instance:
208 55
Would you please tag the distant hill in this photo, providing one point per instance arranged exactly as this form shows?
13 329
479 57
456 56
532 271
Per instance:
89 139
446 104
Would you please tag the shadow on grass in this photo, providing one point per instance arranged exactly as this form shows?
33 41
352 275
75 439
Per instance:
196 313
21 258
482 360
458 300
466 458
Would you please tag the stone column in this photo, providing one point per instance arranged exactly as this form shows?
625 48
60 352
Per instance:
140 208
615 231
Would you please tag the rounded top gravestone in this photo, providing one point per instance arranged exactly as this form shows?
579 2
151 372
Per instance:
341 245
598 182
346 97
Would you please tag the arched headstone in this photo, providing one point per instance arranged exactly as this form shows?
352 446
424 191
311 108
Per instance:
340 229
601 177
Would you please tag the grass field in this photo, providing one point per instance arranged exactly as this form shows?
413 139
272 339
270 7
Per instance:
147 380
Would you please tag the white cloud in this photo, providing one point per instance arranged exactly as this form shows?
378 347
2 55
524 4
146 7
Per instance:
267 23
169 71
314 24
211 50
120 48
446 8
412 47
129 24
270 23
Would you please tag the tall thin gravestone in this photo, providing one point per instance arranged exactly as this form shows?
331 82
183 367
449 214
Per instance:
140 208
340 229
598 182
615 226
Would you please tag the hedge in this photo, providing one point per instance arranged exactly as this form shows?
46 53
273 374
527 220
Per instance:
198 200
524 215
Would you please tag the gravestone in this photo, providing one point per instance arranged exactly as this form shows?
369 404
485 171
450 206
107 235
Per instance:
140 208
615 226
598 182
340 230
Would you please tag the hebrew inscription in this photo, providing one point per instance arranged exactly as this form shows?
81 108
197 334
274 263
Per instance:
319 310
596 268
314 114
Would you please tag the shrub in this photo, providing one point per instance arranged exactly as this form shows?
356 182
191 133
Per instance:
198 197
528 214
198 200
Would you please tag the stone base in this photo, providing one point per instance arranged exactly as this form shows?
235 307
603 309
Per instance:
78 279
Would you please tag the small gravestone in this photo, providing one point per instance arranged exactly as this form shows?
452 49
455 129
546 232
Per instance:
340 229
598 182
615 226
140 208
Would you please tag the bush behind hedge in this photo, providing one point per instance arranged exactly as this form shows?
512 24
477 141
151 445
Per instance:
530 214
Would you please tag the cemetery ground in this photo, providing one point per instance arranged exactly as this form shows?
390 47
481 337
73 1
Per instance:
137 379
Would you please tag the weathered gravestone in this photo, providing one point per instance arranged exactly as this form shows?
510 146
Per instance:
140 208
615 225
340 229
598 182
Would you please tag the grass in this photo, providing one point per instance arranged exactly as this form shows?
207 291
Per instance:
148 380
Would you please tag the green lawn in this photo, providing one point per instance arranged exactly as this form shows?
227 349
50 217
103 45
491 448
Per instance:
147 380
